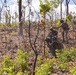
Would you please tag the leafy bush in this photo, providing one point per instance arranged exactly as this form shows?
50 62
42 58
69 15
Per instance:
21 61
58 23
69 17
73 70
7 66
16 66
64 57
45 66
44 69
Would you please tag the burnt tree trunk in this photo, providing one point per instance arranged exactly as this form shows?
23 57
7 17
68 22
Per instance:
20 17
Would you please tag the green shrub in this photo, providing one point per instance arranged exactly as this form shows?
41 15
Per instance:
58 23
21 61
69 17
44 69
16 66
45 66
64 57
7 66
73 70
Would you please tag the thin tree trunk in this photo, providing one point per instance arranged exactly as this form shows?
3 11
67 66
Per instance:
34 67
60 9
44 32
33 45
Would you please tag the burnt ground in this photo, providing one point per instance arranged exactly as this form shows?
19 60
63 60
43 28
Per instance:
10 41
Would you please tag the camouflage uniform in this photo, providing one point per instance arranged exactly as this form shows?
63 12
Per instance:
50 39
52 36
65 28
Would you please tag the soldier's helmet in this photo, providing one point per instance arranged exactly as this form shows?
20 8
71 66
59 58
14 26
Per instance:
61 21
51 29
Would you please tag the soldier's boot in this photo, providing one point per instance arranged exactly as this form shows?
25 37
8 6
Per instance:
53 51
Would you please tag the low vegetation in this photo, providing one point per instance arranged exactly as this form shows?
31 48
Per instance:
64 63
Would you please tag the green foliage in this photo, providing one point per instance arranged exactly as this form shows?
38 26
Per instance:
7 61
21 61
69 17
73 70
45 66
44 69
21 73
64 57
44 7
63 66
16 66
58 23
47 5
7 66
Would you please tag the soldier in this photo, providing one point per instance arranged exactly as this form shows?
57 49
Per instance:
65 28
52 41
52 37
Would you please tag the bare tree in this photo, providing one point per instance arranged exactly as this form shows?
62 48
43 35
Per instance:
1 8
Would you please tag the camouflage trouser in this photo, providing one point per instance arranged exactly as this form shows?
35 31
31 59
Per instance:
55 45
65 36
53 51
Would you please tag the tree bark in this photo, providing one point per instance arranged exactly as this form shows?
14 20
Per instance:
60 9
67 7
20 20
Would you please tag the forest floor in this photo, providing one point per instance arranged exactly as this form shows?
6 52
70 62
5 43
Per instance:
10 41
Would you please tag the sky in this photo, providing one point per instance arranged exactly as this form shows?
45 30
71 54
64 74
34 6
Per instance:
14 6
71 2
35 3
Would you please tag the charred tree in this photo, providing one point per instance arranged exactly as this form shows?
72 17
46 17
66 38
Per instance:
20 18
